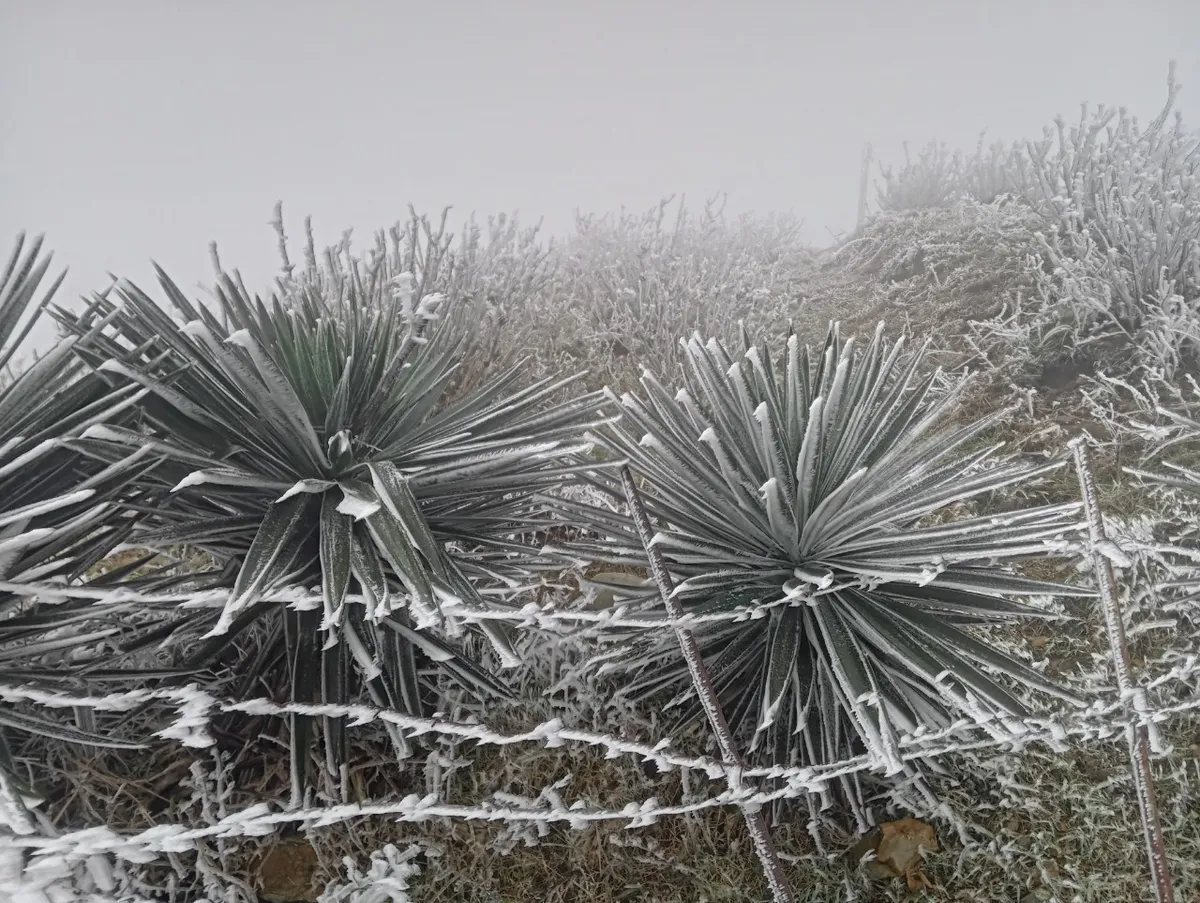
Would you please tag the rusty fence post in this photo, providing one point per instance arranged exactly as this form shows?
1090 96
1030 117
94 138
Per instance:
1136 730
760 834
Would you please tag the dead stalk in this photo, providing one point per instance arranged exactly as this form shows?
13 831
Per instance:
1136 731
755 821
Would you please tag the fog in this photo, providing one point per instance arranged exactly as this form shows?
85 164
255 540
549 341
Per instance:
139 130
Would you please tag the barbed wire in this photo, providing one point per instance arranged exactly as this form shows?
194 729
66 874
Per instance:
1102 720
545 615
1107 717
259 819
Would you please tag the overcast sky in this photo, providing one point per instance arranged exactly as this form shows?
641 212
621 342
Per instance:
139 130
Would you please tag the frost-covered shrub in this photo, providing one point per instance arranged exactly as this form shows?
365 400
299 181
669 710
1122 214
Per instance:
308 442
1118 230
989 176
57 516
934 179
613 295
487 272
1121 240
1168 423
629 286
941 178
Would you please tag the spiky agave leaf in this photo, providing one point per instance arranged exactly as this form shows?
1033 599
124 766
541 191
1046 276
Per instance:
307 438
807 494
57 516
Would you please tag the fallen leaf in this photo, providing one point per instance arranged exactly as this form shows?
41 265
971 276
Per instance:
899 847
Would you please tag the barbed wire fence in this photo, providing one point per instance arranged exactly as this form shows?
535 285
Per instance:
1131 713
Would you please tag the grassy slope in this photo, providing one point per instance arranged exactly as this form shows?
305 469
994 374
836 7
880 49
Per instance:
1044 825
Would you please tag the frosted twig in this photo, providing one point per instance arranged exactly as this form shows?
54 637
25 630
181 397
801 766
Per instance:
277 223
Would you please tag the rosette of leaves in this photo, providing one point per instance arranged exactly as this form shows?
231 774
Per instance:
304 443
806 508
57 514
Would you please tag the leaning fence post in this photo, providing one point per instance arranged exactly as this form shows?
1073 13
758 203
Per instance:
781 891
863 188
1136 730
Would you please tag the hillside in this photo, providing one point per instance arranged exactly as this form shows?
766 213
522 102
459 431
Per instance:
1057 284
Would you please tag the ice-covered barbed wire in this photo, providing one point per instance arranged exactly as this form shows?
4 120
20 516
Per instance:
547 615
1100 721
95 879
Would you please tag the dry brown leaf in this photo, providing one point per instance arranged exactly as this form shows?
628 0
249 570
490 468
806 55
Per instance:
898 851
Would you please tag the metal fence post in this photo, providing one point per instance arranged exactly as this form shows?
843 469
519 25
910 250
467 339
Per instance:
760 834
1136 730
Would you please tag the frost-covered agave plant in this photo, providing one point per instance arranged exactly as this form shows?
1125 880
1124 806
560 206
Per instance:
809 495
304 443
56 512
53 501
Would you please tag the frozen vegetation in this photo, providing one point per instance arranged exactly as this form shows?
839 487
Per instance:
335 594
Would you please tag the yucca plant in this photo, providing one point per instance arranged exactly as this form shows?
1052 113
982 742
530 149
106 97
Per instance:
57 517
807 506
304 443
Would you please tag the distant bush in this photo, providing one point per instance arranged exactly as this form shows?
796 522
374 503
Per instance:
612 297
627 287
1119 247
933 180
939 178
1122 209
